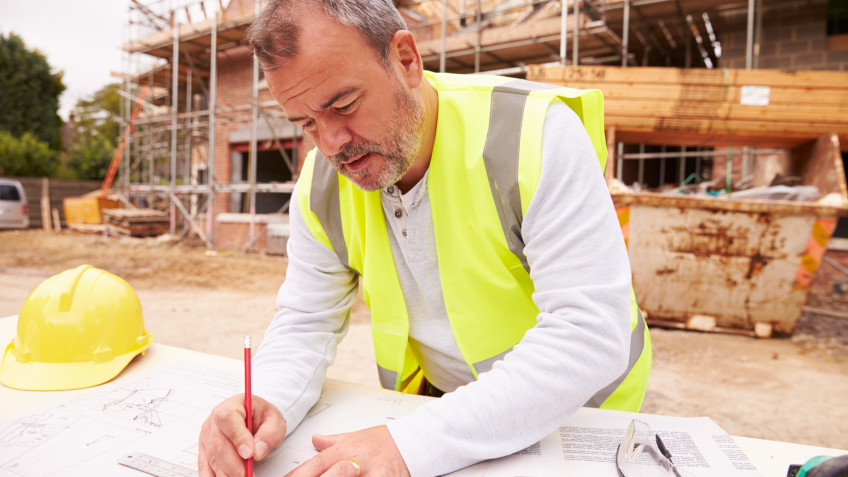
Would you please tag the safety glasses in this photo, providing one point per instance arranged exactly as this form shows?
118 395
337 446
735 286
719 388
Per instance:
643 454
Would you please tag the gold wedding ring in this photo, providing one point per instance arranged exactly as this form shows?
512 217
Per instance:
355 467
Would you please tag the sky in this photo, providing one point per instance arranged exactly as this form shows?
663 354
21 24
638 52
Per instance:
82 38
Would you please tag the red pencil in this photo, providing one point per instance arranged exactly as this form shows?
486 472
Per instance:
248 404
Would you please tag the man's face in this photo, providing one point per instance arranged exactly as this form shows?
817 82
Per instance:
361 115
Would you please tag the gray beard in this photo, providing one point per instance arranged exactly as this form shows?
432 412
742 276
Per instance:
399 148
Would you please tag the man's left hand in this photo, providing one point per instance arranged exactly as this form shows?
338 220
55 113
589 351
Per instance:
368 453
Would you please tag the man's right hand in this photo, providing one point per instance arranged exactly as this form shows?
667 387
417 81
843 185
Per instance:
225 441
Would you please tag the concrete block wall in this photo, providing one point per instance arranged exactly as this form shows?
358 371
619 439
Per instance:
794 37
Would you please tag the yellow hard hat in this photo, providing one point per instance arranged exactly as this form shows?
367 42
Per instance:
77 329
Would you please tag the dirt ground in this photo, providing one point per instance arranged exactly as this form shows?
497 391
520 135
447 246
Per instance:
790 390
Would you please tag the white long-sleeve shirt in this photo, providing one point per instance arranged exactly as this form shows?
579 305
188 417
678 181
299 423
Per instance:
581 274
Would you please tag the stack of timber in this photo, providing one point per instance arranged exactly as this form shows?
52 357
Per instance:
136 222
719 108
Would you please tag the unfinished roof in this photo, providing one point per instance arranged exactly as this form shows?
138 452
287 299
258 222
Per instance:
515 33
502 35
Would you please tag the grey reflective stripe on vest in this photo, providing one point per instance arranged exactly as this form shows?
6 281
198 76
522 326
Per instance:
388 378
324 203
486 365
500 154
637 345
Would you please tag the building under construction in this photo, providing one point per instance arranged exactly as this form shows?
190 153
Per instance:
206 141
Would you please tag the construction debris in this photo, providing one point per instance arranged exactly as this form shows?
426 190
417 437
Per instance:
715 256
136 222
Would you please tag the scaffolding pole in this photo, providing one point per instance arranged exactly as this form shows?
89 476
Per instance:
574 54
188 124
175 93
625 35
749 45
254 119
213 98
563 36
444 35
477 19
127 108
758 33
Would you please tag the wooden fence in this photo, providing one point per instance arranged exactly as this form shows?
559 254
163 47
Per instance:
57 189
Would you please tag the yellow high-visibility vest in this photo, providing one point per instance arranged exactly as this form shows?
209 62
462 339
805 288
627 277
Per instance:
482 176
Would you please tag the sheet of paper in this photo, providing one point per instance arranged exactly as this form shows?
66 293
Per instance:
159 414
586 445
755 95
340 409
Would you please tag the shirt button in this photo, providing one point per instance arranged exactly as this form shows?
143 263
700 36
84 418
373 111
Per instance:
398 213
390 190
404 233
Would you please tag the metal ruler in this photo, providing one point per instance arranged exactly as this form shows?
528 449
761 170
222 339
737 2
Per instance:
155 466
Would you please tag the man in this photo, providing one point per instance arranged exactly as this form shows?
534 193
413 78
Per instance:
476 213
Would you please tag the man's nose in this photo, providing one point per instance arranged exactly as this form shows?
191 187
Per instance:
333 136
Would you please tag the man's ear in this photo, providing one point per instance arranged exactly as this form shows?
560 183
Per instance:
405 57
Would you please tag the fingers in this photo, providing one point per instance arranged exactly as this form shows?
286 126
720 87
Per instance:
344 468
317 465
225 440
271 428
368 452
203 468
321 442
216 455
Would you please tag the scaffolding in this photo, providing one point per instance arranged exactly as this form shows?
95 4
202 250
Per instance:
172 49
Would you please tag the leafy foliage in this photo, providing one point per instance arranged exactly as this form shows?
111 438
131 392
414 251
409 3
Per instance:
29 93
97 131
25 156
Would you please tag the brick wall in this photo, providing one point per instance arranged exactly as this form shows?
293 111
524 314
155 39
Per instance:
234 80
235 76
794 37
236 236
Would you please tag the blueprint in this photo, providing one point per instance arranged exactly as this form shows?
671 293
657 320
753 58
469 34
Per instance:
339 409
160 416
160 413
585 445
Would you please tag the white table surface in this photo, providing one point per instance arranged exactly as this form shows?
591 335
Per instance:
772 458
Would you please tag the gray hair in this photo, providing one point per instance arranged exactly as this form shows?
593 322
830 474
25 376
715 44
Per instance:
275 32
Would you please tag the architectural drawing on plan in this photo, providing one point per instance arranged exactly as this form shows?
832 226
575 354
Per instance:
157 414
155 404
32 430
141 405
52 439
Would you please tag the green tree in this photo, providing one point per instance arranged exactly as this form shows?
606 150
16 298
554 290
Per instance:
97 130
29 93
25 156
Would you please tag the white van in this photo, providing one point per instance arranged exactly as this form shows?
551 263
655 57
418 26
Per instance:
14 210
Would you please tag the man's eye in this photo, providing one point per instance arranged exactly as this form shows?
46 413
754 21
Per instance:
348 107
308 125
